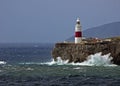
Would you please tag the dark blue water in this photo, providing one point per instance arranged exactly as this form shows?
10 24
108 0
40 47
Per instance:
20 53
26 65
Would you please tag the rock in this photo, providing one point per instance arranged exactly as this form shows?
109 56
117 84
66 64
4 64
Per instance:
79 52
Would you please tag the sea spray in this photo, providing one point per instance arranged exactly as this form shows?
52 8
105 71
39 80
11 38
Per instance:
93 60
59 61
98 60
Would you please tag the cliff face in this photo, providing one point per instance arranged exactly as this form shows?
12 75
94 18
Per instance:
80 52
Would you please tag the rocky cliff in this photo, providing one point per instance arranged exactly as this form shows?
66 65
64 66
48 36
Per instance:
79 52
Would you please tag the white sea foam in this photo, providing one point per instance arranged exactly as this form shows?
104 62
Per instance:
29 69
93 60
2 62
77 68
58 62
98 60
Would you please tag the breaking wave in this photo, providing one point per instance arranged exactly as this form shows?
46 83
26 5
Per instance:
93 60
2 62
58 62
97 60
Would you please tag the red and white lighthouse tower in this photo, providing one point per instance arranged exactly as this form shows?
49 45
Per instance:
78 32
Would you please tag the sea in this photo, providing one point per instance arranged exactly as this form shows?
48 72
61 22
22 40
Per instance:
31 64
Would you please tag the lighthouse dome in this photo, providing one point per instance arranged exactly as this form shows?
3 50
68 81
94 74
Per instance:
78 21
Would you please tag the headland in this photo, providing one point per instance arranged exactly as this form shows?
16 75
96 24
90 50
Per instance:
80 51
82 47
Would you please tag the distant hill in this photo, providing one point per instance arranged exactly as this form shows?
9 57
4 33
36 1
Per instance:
103 31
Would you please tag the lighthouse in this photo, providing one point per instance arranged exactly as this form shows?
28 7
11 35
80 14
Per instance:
78 32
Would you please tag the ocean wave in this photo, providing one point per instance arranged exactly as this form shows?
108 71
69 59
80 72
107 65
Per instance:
2 62
30 63
58 62
52 62
93 60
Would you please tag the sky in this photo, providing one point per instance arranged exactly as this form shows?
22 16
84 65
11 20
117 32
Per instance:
50 21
